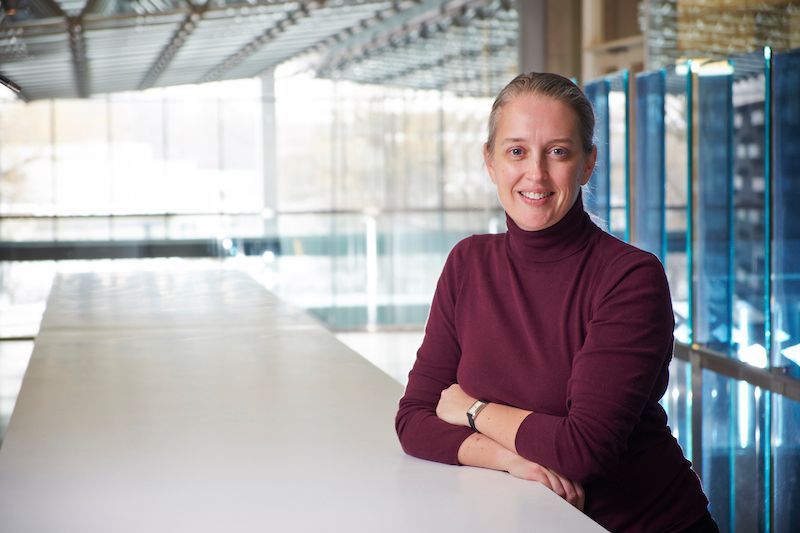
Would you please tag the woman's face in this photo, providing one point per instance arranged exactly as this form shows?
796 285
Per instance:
538 163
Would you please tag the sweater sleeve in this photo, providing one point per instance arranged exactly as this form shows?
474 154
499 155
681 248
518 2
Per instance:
423 434
628 345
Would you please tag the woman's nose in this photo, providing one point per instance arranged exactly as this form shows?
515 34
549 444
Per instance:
536 168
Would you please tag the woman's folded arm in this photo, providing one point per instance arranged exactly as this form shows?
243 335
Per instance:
614 375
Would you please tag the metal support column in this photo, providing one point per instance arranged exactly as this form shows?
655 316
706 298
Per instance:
269 151
532 35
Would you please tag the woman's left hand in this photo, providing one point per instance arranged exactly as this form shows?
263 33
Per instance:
453 405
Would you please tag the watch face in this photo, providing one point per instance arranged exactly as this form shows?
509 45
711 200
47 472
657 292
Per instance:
474 408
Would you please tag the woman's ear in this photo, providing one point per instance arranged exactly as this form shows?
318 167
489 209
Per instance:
487 160
591 160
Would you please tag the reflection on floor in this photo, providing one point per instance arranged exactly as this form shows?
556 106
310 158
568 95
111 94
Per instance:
14 357
391 351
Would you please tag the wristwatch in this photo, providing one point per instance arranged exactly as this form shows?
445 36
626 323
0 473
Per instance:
473 412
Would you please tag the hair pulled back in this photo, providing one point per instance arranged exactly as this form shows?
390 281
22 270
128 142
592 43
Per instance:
550 85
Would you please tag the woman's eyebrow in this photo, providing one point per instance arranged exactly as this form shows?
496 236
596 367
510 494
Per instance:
562 140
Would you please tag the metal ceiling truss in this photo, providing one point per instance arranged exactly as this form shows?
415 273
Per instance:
368 24
77 42
442 62
455 13
68 48
270 34
401 14
364 25
77 46
176 41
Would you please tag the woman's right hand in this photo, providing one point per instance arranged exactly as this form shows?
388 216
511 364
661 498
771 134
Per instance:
566 488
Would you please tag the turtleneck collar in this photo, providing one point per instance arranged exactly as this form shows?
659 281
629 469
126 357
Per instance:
564 238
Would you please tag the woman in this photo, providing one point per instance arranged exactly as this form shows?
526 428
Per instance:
563 333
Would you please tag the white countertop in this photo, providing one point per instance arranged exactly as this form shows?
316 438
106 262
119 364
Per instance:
199 402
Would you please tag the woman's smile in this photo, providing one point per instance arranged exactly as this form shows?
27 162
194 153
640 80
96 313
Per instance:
535 198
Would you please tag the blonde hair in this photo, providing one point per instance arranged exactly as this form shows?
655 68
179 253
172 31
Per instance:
551 85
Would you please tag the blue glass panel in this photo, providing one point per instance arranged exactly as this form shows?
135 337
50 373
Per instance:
597 199
749 214
786 295
786 199
718 446
712 312
618 143
786 456
650 162
677 201
734 423
749 339
678 404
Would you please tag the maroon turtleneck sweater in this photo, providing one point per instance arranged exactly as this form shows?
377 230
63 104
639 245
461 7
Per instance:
576 326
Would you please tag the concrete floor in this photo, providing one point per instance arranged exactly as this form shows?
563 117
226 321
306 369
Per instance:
393 352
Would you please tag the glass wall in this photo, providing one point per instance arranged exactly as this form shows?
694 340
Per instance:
749 215
650 148
619 165
676 219
597 195
786 150
712 224
372 183
370 146
715 183
713 314
786 289
178 150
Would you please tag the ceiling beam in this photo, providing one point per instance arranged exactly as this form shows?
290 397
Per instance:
398 29
235 59
365 24
175 43
98 20
415 15
80 64
443 61
77 42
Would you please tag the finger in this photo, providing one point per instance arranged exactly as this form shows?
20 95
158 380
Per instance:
581 503
555 483
570 493
540 475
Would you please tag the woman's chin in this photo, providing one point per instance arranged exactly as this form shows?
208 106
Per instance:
533 224
531 218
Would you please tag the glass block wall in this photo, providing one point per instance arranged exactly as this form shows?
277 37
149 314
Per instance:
716 175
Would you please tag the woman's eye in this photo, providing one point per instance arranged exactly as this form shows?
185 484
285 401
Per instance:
516 152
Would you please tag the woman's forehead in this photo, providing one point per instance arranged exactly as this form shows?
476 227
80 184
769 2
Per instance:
538 113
